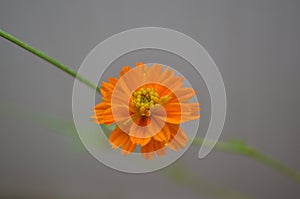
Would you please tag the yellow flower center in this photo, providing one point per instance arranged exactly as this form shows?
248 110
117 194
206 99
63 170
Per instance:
145 98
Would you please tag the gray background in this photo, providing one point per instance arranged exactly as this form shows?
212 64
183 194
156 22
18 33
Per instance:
255 44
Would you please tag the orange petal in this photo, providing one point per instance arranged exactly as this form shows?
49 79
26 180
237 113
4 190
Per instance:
133 79
153 147
112 80
147 151
172 83
178 138
121 112
154 72
140 135
163 135
181 112
124 70
103 114
117 138
169 81
127 147
107 116
106 88
120 139
140 141
166 74
137 64
183 94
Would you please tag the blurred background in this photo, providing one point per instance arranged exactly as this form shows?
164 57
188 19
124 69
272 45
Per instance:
255 44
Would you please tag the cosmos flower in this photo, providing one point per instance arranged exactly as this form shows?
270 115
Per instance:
148 104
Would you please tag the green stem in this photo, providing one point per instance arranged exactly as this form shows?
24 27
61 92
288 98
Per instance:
47 58
240 147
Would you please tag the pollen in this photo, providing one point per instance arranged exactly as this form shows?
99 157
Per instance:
144 99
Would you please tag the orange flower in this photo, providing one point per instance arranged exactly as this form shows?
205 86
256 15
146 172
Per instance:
148 104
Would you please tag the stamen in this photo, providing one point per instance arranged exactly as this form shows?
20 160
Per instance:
145 98
165 99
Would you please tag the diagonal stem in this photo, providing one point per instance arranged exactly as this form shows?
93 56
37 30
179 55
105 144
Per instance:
47 58
242 148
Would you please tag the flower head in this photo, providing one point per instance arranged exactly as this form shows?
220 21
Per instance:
148 104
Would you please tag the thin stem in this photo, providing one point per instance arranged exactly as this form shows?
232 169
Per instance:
240 147
47 58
